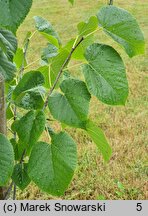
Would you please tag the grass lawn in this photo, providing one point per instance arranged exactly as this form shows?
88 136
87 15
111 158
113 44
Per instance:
126 174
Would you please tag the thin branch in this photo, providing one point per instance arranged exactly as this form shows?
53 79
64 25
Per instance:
22 157
110 2
14 192
33 34
13 184
75 42
60 72
14 118
24 58
8 191
10 130
48 119
25 54
20 77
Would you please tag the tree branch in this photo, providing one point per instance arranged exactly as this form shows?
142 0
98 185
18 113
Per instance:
8 191
14 192
22 157
15 117
2 119
110 2
60 72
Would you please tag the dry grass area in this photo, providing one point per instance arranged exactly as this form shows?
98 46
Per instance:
125 176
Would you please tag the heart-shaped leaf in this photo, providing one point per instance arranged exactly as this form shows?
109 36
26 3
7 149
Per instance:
29 128
29 92
88 27
47 30
20 176
123 28
72 107
51 166
105 74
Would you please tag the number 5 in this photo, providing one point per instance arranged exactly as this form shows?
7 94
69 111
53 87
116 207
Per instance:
139 207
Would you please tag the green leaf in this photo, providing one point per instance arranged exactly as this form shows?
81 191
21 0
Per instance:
30 80
45 72
105 74
48 53
123 28
72 107
88 27
51 167
29 92
9 113
66 75
27 37
15 148
7 68
47 30
29 128
8 43
51 39
71 1
19 58
31 99
13 12
9 88
20 176
99 139
6 160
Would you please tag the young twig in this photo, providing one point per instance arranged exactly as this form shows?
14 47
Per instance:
60 72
